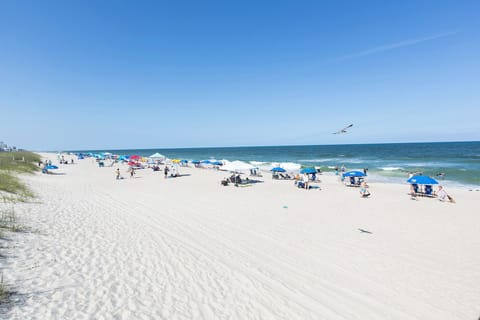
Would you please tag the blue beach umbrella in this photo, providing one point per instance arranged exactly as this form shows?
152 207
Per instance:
184 161
422 180
51 167
217 163
206 161
354 174
308 170
278 169
195 161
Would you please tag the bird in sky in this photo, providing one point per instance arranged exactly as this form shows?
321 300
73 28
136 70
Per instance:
344 130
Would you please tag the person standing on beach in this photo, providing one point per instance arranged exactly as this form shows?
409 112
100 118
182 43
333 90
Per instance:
118 173
165 171
305 180
132 172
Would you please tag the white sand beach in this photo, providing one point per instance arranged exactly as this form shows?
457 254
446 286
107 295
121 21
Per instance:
190 248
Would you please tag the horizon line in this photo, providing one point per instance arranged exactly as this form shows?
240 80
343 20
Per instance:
256 146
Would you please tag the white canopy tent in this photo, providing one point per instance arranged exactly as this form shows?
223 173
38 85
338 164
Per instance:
157 156
237 166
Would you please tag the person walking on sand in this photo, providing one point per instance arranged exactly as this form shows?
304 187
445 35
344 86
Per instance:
132 172
117 172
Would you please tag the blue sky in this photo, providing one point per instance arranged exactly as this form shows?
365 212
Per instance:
153 74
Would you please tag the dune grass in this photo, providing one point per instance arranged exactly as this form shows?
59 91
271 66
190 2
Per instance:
20 161
13 163
12 189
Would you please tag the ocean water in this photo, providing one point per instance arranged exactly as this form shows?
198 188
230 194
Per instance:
459 161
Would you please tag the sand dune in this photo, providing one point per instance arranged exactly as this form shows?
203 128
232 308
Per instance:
189 248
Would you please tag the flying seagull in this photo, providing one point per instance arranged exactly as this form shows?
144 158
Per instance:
344 130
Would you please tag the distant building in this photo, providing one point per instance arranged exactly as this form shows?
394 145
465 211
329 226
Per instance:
5 147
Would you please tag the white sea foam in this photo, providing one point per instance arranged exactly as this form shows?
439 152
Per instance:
319 160
391 168
259 163
356 161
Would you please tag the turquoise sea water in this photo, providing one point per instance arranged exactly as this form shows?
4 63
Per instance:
459 161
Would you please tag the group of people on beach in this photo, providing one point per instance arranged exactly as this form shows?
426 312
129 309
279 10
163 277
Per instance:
427 190
132 171
302 181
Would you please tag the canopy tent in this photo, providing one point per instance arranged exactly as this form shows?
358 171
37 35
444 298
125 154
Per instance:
354 174
157 156
278 169
308 170
425 180
237 166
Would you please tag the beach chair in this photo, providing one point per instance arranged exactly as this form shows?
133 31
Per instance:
429 191
352 182
415 189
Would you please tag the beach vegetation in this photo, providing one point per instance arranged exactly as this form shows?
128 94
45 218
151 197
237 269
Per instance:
12 190
12 164
5 295
8 220
19 161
